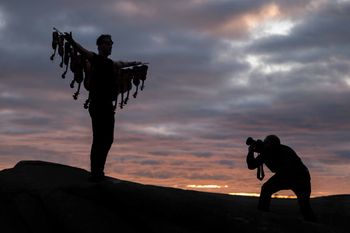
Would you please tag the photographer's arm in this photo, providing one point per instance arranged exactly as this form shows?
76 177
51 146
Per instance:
251 161
86 53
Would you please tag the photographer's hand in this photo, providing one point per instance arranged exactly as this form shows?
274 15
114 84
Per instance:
251 149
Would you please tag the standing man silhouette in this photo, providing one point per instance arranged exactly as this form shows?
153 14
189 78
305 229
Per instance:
290 173
102 90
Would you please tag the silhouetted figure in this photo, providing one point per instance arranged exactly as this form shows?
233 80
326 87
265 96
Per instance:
290 172
102 90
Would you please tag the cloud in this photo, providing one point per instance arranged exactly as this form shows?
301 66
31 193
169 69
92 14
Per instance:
228 163
322 31
344 155
204 154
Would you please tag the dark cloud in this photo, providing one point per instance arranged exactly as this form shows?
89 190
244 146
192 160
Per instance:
28 150
322 35
227 163
207 176
159 174
150 162
204 154
161 153
344 155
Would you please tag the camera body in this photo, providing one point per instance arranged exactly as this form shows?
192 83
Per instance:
257 145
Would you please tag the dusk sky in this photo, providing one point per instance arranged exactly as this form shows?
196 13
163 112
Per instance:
219 71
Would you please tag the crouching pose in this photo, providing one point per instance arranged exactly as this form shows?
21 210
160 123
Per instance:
290 173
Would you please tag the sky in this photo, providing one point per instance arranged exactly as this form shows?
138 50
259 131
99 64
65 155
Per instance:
219 72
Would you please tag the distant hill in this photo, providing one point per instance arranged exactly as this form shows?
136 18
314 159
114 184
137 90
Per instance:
38 196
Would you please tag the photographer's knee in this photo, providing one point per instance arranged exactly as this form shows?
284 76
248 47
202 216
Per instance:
266 189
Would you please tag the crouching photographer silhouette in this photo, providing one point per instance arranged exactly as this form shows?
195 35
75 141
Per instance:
290 172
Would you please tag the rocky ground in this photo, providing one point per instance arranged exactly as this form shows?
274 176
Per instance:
38 196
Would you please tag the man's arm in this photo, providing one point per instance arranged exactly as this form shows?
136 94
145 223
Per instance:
86 53
122 64
251 161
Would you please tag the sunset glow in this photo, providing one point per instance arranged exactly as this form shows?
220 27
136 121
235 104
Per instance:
209 186
257 195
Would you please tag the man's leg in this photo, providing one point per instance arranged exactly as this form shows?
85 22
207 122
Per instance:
273 185
108 137
103 134
96 147
303 192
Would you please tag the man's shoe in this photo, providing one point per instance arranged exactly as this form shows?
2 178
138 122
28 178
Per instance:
97 178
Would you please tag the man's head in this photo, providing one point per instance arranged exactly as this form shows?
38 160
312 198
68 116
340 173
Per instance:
271 141
104 44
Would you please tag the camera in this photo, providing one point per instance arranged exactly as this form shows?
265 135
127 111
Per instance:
257 145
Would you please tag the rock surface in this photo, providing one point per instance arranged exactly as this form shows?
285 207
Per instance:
38 196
